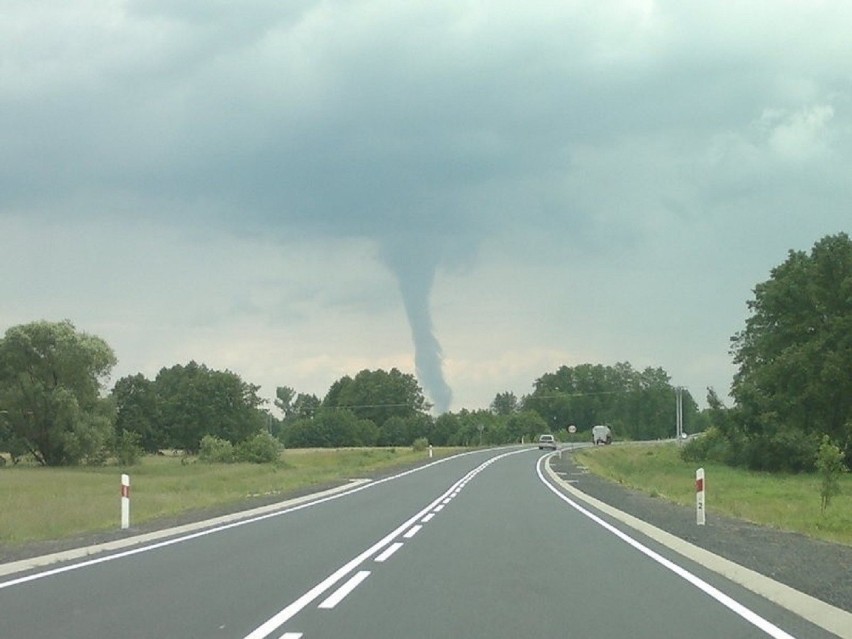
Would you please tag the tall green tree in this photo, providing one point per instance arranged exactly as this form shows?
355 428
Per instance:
305 406
378 395
138 411
402 431
794 358
479 428
636 404
505 403
196 401
284 396
445 427
525 426
331 427
51 378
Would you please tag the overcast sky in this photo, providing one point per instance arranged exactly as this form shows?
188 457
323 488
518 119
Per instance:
296 191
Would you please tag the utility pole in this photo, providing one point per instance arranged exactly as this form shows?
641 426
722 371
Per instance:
679 413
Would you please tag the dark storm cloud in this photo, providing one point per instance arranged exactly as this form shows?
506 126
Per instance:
424 127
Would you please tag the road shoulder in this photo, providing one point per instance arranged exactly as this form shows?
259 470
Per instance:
808 577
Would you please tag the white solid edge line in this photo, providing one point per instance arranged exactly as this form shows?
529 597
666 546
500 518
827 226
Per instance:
295 607
388 552
292 609
215 524
184 533
815 611
729 602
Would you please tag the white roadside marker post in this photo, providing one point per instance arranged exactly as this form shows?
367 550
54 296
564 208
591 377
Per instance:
125 502
699 497
430 451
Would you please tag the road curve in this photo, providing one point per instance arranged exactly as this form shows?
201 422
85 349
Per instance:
478 545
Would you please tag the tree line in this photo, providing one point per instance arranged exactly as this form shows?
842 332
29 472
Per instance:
56 409
792 393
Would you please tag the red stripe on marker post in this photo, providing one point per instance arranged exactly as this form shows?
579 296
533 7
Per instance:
699 497
125 502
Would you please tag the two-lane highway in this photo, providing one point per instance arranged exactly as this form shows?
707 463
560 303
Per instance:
479 545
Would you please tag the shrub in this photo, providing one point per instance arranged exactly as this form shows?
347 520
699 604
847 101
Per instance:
213 450
420 444
829 463
98 457
263 448
708 446
128 448
785 450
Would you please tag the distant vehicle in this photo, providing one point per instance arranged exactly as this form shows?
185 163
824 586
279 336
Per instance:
546 441
601 435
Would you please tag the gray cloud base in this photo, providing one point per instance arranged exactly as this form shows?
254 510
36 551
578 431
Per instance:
600 130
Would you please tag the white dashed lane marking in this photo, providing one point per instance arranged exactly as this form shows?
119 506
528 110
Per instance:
414 530
386 548
340 594
389 551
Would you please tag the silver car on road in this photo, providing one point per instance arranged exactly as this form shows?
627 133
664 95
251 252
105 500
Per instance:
546 441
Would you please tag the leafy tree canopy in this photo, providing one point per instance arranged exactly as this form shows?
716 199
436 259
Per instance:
504 403
138 411
636 404
795 357
331 427
198 401
51 377
185 403
378 395
305 406
284 396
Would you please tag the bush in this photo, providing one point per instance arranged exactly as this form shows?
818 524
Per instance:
263 448
785 450
98 457
215 450
829 463
420 444
128 448
708 446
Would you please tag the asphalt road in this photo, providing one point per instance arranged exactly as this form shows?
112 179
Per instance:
479 545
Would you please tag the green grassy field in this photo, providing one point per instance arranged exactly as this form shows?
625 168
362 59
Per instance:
787 502
38 504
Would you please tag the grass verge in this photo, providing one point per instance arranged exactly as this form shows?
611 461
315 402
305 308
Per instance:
40 504
786 502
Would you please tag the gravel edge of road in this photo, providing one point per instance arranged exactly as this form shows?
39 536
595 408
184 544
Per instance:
817 568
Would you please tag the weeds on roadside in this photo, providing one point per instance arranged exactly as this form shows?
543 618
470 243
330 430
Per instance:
829 463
